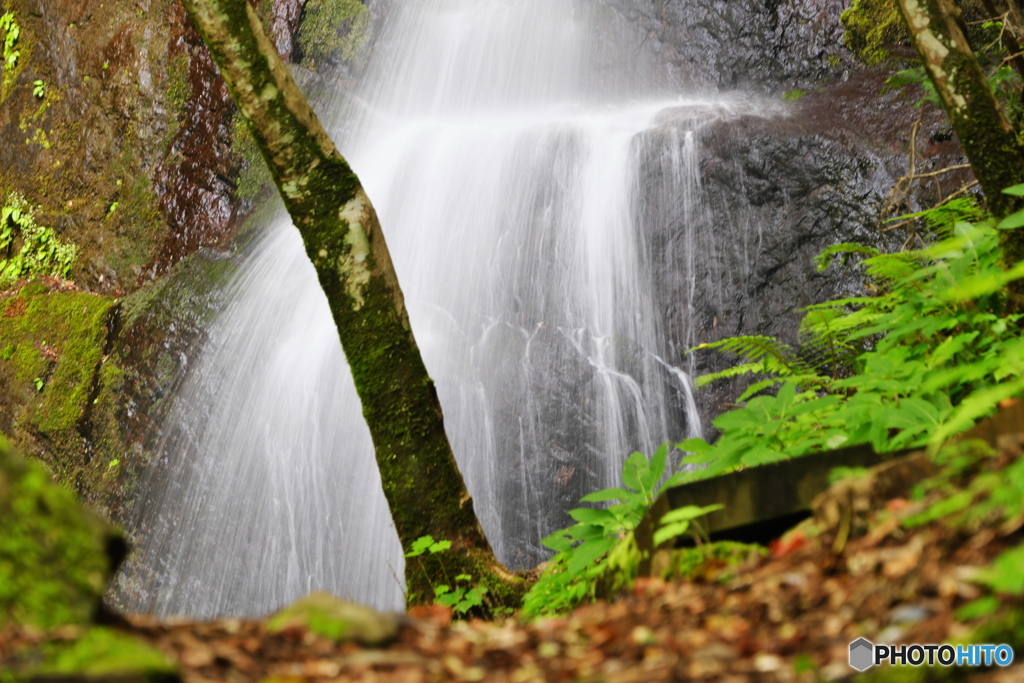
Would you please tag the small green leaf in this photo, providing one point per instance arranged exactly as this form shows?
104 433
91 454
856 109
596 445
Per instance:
982 607
439 547
1013 221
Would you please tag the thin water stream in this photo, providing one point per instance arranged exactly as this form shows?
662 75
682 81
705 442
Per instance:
500 141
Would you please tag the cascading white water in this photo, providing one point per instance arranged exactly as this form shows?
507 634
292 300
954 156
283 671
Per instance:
500 142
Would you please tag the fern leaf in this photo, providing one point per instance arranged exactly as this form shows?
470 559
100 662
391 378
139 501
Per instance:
742 369
823 260
777 358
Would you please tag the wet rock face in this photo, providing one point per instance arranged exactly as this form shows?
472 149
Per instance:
195 180
749 45
85 146
774 191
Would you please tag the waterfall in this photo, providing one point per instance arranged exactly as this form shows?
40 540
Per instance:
501 142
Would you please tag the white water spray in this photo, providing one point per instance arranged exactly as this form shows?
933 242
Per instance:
500 143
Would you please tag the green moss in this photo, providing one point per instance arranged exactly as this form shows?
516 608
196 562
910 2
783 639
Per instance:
58 337
179 86
332 29
872 28
793 95
710 561
53 569
333 618
254 180
95 654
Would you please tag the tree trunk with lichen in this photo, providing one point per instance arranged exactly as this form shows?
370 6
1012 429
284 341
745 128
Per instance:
423 486
990 142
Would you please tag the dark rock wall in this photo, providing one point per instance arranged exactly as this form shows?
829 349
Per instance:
776 190
808 164
756 46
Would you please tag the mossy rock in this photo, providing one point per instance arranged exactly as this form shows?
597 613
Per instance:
54 562
332 30
333 618
873 27
94 655
51 344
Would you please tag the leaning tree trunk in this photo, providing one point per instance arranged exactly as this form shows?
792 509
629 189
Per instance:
423 486
990 142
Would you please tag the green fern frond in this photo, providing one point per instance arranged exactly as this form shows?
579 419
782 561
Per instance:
842 252
734 371
887 269
777 358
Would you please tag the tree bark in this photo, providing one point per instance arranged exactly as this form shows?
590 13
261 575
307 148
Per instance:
423 486
990 142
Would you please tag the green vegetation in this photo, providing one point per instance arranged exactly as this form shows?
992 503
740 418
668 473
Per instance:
600 552
254 180
41 252
934 350
104 652
462 599
335 619
57 338
872 28
10 32
53 569
332 29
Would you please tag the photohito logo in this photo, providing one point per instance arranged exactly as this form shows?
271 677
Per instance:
864 654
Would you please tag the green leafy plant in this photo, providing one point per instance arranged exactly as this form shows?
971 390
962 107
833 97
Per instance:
600 546
10 31
460 598
40 252
427 544
677 522
1004 82
38 88
936 348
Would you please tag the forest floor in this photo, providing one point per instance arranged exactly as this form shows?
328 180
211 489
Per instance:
857 568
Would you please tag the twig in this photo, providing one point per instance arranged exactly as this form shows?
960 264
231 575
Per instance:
948 169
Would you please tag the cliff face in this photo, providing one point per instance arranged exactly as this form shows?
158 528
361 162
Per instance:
117 135
776 189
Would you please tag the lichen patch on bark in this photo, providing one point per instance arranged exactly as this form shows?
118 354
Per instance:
354 267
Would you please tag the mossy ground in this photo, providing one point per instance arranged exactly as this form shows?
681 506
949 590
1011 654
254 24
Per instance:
99 654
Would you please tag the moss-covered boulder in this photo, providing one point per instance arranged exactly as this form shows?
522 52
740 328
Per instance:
333 618
54 563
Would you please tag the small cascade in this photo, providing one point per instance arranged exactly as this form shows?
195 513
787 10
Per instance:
501 142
